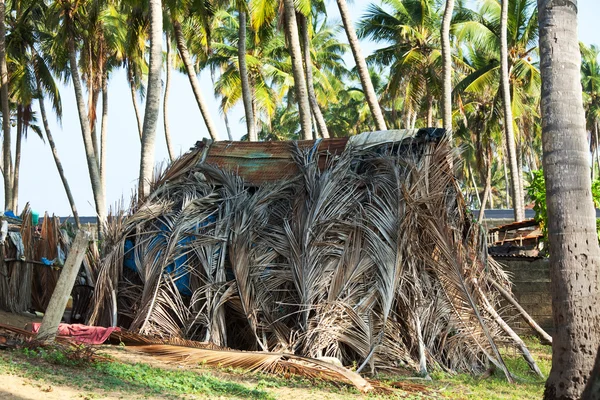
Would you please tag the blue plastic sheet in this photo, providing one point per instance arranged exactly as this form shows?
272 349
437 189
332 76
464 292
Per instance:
178 268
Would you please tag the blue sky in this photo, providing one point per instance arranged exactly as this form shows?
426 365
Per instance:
41 186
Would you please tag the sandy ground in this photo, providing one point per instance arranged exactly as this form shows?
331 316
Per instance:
17 320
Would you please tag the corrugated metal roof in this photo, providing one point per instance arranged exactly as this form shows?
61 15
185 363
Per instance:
514 225
262 162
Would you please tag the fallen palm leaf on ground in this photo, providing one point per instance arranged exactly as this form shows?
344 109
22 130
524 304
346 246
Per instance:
369 257
275 363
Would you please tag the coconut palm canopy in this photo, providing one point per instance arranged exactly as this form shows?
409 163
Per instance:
365 253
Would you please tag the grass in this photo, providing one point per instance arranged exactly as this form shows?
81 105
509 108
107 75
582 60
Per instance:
113 376
102 378
527 386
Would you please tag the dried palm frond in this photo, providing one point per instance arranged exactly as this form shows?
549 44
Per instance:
274 363
369 257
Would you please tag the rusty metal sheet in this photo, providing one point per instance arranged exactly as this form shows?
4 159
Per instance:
262 162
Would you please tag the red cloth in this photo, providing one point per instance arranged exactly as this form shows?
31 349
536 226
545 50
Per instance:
81 333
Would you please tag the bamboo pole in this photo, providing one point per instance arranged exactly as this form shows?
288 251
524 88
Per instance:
508 297
60 296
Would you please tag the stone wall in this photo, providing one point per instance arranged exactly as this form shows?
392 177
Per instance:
531 288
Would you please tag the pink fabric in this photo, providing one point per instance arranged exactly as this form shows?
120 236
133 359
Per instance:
81 333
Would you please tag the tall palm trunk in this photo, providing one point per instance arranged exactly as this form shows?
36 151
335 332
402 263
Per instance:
517 199
57 161
291 27
573 240
136 106
189 68
153 95
246 90
447 66
92 161
429 111
6 143
487 192
17 166
312 97
361 67
597 152
104 129
166 101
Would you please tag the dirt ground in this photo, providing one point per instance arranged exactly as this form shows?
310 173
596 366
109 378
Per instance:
18 320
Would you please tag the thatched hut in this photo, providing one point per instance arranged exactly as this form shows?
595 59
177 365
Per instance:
359 248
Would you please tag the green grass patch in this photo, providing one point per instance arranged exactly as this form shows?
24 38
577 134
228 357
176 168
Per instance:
139 380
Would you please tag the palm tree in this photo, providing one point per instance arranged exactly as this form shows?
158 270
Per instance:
518 205
243 67
63 18
482 29
4 105
572 234
361 67
412 31
168 68
291 30
153 95
590 79
176 15
447 65
264 52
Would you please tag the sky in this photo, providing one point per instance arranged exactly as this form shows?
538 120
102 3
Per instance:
40 183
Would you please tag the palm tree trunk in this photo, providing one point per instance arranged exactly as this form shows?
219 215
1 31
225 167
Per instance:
92 102
226 120
153 94
475 188
6 144
517 199
429 111
246 91
361 67
57 161
92 161
136 107
189 67
573 240
166 101
291 28
597 153
104 129
17 166
312 97
506 181
487 192
447 66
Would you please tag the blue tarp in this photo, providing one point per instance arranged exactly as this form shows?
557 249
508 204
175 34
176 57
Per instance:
177 269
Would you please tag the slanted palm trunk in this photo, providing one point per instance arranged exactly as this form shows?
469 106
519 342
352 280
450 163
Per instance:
361 67
92 161
136 107
447 66
57 161
17 166
517 198
104 129
246 90
189 68
574 252
153 95
6 143
487 192
312 97
291 27
166 101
